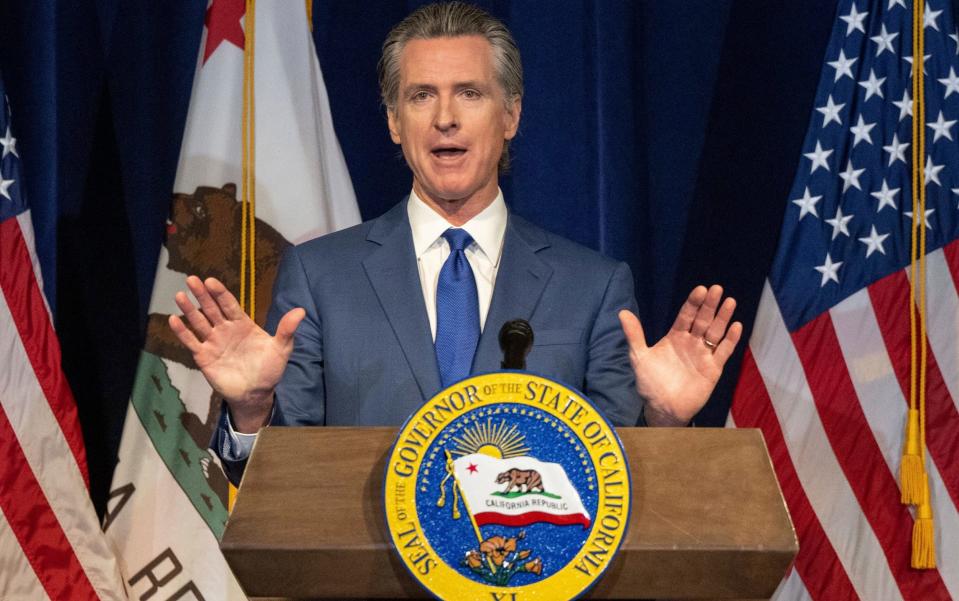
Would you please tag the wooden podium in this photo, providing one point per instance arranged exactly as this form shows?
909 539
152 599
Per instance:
708 520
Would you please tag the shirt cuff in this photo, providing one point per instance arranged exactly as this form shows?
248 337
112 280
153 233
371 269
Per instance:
241 443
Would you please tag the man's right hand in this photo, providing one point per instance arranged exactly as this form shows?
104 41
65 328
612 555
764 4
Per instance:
239 359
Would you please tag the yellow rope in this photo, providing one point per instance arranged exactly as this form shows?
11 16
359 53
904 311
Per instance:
248 159
917 176
248 169
309 13
910 469
921 211
251 154
915 480
244 145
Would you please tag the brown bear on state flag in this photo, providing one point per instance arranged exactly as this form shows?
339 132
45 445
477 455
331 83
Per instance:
204 236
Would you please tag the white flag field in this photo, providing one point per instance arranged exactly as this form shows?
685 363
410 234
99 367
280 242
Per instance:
518 491
168 503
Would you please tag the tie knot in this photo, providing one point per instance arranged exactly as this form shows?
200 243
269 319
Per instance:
458 238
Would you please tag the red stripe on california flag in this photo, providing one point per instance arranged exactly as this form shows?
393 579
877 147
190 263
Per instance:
530 517
890 297
35 525
19 286
818 564
859 456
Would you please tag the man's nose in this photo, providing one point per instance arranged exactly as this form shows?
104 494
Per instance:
446 116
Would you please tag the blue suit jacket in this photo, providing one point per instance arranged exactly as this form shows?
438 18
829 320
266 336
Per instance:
364 353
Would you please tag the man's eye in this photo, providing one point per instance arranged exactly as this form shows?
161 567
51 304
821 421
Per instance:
421 95
471 94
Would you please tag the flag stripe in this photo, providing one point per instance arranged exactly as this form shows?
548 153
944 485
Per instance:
35 525
17 578
890 296
530 517
819 473
45 450
792 588
946 522
951 253
885 408
29 312
52 543
857 452
26 229
870 370
942 321
817 560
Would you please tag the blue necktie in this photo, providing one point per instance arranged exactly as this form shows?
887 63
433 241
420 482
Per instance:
457 311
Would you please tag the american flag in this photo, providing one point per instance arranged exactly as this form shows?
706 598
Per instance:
51 546
826 374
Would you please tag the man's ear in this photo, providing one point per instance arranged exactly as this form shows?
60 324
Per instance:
512 115
394 125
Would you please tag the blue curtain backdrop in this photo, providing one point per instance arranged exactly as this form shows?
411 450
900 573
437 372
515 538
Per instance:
663 134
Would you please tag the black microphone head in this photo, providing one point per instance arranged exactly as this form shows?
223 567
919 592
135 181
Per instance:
514 332
516 340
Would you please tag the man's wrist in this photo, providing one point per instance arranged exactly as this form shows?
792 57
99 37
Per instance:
249 420
662 419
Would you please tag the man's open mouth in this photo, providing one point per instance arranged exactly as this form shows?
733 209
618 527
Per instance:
448 152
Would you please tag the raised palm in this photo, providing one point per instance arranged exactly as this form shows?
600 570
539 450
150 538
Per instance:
239 359
677 374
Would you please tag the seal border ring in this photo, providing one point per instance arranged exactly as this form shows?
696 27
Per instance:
531 591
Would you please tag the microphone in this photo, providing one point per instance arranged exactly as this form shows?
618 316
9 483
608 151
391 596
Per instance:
516 340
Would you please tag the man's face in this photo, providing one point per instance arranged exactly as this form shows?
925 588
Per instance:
451 119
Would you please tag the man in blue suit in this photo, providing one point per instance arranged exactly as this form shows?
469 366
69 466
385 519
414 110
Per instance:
371 321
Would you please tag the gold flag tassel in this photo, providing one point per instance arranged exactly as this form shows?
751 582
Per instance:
910 470
913 476
923 535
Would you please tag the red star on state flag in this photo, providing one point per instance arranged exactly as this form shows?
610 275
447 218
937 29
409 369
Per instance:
472 468
223 24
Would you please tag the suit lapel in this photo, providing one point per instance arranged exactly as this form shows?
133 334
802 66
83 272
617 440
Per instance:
520 282
392 272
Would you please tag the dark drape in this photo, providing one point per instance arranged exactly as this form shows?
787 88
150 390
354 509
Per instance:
663 134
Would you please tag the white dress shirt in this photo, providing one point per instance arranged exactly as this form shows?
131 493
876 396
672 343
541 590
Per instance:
488 230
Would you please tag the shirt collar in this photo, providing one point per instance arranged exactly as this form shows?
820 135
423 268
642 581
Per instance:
487 228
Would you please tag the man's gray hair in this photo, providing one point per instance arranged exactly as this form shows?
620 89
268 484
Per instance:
452 19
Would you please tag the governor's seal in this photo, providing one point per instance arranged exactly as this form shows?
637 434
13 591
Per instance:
507 486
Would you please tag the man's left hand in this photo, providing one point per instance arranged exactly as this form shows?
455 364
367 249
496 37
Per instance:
677 374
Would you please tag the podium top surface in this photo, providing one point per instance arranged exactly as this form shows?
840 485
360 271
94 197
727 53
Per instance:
708 518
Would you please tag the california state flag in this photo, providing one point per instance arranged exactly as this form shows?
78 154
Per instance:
168 505
518 491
